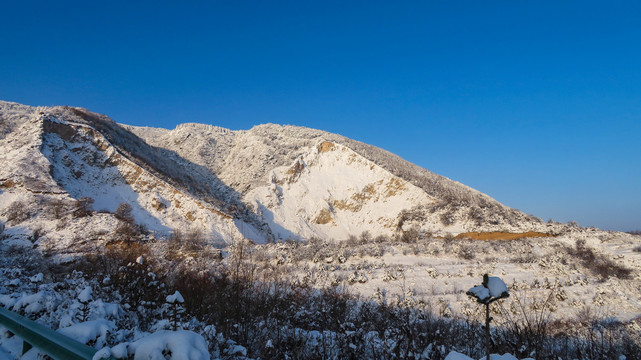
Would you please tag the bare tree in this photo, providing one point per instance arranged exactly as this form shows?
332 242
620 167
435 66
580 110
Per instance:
366 237
123 213
83 206
58 208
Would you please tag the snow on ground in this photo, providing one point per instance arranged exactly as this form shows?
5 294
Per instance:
414 271
440 272
182 345
94 330
458 356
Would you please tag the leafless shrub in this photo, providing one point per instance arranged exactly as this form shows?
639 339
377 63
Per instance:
381 239
58 208
476 214
524 258
527 320
365 250
534 218
449 237
254 308
116 255
182 243
352 241
253 312
467 252
410 236
18 212
592 335
37 233
306 251
139 285
83 206
123 213
447 218
126 231
194 239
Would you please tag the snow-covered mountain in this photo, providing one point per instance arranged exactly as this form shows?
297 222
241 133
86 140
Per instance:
267 183
274 183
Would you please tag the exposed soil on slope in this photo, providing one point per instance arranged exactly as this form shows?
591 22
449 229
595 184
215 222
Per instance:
499 235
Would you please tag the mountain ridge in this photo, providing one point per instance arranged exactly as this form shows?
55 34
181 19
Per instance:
274 181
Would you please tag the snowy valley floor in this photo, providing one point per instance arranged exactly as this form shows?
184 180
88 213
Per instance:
576 296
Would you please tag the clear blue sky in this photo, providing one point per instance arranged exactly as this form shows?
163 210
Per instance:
537 104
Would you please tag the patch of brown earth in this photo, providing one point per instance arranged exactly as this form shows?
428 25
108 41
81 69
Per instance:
323 217
131 176
190 216
500 235
295 171
157 204
355 202
6 184
393 187
344 205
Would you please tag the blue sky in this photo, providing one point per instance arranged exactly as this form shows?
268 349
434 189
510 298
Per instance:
537 104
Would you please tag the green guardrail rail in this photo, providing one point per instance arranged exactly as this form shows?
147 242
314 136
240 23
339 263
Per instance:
52 343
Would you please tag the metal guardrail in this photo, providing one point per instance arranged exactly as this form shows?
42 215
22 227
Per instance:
52 343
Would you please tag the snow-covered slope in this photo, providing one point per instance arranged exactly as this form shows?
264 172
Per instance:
267 183
332 191
51 158
85 164
255 163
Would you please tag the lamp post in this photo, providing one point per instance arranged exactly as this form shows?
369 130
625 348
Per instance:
492 289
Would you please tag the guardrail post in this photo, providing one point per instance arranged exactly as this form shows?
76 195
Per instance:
25 347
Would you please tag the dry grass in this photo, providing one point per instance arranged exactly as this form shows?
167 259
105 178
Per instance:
499 235
324 217
124 246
